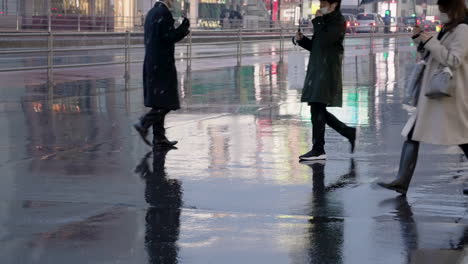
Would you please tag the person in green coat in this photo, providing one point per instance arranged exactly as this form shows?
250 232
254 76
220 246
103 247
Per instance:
323 83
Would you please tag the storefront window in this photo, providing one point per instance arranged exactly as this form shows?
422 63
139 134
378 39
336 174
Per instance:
39 7
3 7
83 7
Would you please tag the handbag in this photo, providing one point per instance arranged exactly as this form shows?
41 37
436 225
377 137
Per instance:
413 84
439 86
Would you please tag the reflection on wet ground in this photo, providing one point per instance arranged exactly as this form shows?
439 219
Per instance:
78 186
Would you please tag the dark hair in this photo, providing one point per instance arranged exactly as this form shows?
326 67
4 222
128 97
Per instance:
338 3
456 10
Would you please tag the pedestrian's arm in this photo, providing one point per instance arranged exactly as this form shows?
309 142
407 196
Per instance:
169 33
457 51
328 33
306 43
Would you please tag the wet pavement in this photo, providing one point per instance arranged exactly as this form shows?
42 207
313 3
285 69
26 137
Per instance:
74 55
79 186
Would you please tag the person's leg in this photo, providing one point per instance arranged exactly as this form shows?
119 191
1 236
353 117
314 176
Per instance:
318 119
158 125
341 128
408 161
144 123
159 132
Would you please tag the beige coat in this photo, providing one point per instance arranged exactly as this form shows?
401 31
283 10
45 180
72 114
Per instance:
444 121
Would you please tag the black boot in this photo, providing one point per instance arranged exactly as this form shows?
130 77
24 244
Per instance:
158 116
159 132
160 140
142 130
408 160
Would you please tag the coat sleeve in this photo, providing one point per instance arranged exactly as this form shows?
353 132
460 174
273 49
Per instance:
457 50
306 43
168 33
328 33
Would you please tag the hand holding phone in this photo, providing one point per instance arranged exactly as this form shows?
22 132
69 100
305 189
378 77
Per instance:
417 30
299 35
186 22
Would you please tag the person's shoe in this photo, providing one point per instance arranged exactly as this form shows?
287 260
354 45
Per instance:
142 131
394 186
159 138
314 155
164 143
408 160
465 191
354 138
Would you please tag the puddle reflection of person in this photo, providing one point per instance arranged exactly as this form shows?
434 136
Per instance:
414 250
326 226
409 232
164 197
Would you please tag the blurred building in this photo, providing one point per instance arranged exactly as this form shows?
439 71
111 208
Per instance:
121 15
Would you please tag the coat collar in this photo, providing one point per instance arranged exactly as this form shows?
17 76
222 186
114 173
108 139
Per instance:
332 16
163 3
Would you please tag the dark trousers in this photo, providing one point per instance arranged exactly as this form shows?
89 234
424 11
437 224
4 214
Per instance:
155 118
320 118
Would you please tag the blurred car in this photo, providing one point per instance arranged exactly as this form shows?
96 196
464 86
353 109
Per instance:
410 22
429 26
351 23
369 23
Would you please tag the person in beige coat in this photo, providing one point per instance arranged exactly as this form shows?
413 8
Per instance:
438 121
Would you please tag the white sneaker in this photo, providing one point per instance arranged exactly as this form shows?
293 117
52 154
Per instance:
314 155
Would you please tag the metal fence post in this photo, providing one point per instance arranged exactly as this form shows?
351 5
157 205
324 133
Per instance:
239 48
105 23
281 44
17 21
189 52
49 15
127 54
50 57
79 22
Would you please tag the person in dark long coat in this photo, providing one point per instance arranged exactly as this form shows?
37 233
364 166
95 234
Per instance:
323 84
159 71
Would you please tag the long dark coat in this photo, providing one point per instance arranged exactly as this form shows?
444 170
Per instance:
159 70
323 82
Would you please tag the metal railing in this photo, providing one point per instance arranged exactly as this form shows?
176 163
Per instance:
240 37
105 23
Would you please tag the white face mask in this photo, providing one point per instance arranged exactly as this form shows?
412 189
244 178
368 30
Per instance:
444 18
325 11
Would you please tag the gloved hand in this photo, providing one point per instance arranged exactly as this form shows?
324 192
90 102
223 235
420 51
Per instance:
185 23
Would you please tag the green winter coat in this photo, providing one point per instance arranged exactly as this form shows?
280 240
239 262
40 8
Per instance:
323 82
